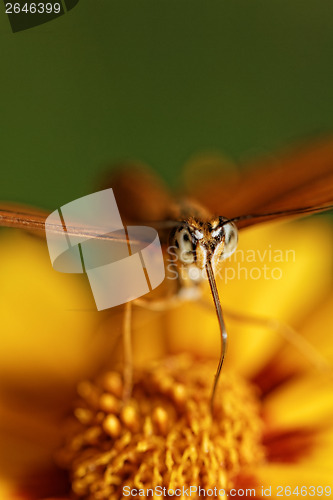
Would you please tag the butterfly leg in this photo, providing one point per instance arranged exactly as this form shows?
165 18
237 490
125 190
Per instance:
128 358
157 306
286 331
305 347
161 306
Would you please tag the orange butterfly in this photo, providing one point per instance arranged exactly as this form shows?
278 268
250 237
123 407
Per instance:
203 232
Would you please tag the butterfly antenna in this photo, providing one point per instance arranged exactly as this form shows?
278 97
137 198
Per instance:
281 213
224 336
128 355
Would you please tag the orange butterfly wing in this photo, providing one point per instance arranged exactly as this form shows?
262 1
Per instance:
23 217
140 194
302 177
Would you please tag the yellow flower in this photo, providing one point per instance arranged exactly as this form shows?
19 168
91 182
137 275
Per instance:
277 431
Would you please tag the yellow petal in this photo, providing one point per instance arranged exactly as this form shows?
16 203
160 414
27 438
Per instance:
47 318
281 477
322 452
316 330
48 343
304 402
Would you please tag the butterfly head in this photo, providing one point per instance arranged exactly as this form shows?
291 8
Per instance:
195 242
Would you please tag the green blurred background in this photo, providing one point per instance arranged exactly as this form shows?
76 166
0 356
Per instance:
158 80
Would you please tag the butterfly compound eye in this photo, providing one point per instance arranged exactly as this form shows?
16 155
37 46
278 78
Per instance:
230 239
183 247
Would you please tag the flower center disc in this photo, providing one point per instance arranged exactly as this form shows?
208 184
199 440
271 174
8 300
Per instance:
164 436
